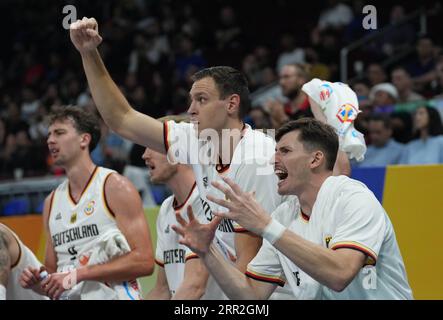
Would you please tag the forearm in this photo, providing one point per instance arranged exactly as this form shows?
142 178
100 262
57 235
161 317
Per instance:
233 282
159 293
126 267
320 263
111 103
189 291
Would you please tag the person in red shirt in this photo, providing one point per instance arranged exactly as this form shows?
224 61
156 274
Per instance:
292 78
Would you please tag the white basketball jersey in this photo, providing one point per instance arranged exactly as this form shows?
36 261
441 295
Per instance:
14 291
170 254
251 168
75 228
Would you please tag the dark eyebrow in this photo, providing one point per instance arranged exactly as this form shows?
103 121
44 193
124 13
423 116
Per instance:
284 148
197 94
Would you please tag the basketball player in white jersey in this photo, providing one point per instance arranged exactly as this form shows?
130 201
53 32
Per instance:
182 275
334 242
94 209
219 99
14 258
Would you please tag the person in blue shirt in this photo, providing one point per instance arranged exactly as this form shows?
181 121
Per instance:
427 145
384 150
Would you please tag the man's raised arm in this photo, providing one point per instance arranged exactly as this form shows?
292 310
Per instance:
112 105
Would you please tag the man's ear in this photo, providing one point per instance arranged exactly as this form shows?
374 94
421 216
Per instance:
233 104
85 140
318 158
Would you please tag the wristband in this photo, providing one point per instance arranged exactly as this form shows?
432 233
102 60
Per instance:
273 231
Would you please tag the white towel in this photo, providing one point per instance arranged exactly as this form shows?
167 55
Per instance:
339 105
111 244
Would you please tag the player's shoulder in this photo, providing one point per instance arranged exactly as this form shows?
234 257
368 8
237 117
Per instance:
259 138
114 182
254 147
172 125
287 211
167 204
351 188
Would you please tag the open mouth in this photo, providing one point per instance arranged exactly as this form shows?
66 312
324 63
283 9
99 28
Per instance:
54 151
281 174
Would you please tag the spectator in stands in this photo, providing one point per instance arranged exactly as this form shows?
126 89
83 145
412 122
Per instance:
438 87
383 150
383 97
422 66
401 123
30 104
376 74
427 146
259 118
228 37
187 57
112 150
292 78
400 35
337 15
14 123
290 53
353 30
253 71
402 81
361 89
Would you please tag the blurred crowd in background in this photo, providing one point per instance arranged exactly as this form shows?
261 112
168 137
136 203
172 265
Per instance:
151 49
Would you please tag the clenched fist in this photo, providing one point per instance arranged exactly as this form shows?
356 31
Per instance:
84 35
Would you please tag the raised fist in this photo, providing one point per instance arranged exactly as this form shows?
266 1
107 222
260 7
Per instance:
84 35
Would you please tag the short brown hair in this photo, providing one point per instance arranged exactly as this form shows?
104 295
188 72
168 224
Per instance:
228 81
83 121
314 134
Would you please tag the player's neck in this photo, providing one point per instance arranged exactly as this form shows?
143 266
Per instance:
229 140
79 173
181 184
308 196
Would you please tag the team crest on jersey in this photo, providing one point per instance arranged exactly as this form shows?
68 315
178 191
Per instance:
347 113
74 217
327 240
90 207
83 259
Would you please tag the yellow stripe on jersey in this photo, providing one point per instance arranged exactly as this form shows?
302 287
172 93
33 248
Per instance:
238 228
265 277
191 256
372 257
